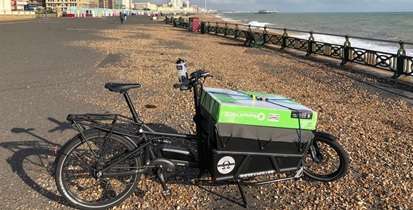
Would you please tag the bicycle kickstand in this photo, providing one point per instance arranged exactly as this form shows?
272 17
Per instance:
166 191
241 191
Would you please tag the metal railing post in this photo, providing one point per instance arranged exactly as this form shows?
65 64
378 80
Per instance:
399 64
174 22
401 55
265 35
181 22
284 39
346 51
236 32
310 44
203 27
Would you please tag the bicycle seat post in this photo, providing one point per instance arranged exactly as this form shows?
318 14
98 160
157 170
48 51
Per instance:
131 107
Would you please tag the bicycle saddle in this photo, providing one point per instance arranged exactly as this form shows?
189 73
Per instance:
121 87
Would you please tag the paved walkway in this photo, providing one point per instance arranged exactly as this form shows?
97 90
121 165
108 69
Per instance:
40 73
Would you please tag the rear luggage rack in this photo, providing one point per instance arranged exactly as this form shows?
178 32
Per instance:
113 123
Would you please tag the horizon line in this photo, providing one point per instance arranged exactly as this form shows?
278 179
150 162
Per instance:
277 11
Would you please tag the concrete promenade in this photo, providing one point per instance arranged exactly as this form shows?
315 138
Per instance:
40 74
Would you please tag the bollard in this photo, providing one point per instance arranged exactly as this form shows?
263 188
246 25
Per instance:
401 56
346 51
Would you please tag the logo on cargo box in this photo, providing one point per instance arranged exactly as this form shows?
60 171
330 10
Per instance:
226 165
245 116
274 117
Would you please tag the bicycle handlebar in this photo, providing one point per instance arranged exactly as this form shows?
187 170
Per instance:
192 80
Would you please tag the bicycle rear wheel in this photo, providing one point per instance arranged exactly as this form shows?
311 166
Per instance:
77 165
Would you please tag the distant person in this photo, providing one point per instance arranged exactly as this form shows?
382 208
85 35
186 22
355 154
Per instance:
125 16
122 18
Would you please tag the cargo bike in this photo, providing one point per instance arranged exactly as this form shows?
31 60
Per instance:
241 138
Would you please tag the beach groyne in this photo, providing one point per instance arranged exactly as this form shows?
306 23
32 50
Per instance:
398 63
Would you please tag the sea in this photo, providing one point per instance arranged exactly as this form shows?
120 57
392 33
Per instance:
393 26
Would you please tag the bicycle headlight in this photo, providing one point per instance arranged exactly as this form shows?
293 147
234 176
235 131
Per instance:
301 114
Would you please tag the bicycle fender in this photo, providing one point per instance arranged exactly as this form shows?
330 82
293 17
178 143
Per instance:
325 135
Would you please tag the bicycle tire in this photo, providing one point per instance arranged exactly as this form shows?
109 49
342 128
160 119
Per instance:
69 149
343 157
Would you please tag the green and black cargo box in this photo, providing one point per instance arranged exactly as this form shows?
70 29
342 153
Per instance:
262 132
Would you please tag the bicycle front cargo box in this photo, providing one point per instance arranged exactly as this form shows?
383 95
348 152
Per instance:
248 133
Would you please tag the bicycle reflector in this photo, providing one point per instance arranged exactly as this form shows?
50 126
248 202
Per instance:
301 114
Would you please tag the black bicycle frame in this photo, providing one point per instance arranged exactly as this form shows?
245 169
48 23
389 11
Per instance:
145 130
145 146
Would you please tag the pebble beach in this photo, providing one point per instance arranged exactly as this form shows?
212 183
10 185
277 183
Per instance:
374 127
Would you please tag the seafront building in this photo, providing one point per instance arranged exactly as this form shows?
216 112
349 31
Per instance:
61 5
87 3
126 4
17 6
5 6
145 6
106 4
173 6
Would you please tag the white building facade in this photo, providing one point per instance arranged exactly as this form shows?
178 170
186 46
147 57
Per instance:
179 4
127 4
5 6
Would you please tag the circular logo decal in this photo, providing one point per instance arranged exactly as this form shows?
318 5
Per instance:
261 116
226 165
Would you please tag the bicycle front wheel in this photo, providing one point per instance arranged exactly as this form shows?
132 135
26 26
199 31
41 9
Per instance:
327 160
77 167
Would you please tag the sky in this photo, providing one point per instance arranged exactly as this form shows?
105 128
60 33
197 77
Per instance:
309 5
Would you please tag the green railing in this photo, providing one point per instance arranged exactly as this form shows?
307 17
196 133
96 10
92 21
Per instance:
398 63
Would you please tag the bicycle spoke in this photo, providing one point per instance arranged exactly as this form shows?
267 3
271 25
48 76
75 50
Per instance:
90 149
81 175
83 164
101 154
80 179
330 161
